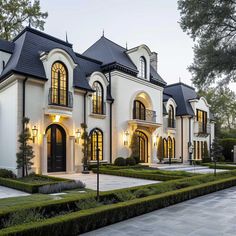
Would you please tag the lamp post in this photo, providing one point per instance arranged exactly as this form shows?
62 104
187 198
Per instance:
190 150
97 171
169 155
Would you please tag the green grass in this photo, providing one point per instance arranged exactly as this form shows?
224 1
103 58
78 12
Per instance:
36 179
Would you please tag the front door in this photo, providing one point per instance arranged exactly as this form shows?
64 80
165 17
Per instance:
56 148
143 146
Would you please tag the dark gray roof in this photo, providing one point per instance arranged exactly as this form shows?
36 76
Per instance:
182 93
108 52
6 46
30 43
166 97
155 77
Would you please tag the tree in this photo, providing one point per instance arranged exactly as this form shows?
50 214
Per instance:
26 153
216 152
134 146
85 147
15 14
212 25
218 97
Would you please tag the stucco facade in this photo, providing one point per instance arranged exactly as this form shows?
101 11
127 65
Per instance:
131 100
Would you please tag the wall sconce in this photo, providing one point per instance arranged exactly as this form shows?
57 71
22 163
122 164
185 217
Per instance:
77 135
155 140
56 118
126 138
34 133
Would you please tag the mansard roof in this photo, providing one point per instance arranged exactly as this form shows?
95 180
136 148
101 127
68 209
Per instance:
181 93
114 56
25 59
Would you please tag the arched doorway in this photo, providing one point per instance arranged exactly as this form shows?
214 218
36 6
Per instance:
56 148
143 146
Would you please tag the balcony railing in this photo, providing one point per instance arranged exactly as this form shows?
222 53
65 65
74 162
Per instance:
202 128
169 123
96 109
144 114
60 98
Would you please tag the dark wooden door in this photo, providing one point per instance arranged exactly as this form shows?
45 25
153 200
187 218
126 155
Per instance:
56 148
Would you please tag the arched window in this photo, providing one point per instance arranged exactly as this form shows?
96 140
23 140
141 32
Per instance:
59 88
170 147
96 137
143 68
142 146
171 117
139 110
97 98
165 148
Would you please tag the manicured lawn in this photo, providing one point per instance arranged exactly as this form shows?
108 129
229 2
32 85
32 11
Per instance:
37 179
144 173
81 213
223 166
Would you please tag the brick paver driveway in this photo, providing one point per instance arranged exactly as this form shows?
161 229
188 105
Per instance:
210 215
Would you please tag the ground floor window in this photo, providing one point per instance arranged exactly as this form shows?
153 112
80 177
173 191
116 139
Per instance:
96 137
169 147
200 149
143 146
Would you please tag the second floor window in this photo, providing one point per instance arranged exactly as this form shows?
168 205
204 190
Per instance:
97 98
202 121
139 110
171 117
59 88
143 68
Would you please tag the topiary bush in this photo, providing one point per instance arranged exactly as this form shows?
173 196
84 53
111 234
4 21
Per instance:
4 173
120 161
130 161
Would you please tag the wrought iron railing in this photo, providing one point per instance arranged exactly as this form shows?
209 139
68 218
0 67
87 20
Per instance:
144 114
60 97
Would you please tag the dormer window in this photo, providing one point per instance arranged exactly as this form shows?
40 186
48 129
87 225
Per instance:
142 68
171 117
97 98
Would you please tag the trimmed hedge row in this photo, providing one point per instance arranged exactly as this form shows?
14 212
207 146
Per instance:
29 187
83 221
140 175
220 166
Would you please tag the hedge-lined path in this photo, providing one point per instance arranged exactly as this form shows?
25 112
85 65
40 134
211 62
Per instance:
9 192
107 182
210 215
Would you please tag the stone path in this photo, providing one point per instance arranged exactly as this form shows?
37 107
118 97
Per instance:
107 182
9 192
210 215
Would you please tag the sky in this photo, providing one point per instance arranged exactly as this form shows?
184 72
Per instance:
135 22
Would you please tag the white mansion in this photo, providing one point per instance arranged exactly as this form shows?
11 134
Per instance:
115 91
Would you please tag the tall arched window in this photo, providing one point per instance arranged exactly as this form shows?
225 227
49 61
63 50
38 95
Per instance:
171 117
143 68
170 147
165 148
96 137
59 90
98 98
139 110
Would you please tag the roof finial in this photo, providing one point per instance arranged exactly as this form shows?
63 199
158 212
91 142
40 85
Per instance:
179 79
30 16
66 37
103 32
126 46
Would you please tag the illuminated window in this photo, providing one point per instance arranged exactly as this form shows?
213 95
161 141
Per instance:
96 136
97 99
143 68
139 110
202 121
59 84
170 147
165 148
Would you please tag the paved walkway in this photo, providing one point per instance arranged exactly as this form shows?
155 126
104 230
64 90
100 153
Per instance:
210 215
9 192
107 182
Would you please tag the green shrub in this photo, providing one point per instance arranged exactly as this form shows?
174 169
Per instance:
120 161
124 196
4 173
228 145
130 161
143 192
137 159
87 204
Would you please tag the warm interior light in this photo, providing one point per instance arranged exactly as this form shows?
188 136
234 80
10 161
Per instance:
34 133
57 118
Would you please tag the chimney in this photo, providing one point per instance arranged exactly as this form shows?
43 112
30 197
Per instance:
153 60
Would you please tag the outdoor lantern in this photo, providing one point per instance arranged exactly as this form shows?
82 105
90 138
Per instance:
126 137
77 135
34 133
155 138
